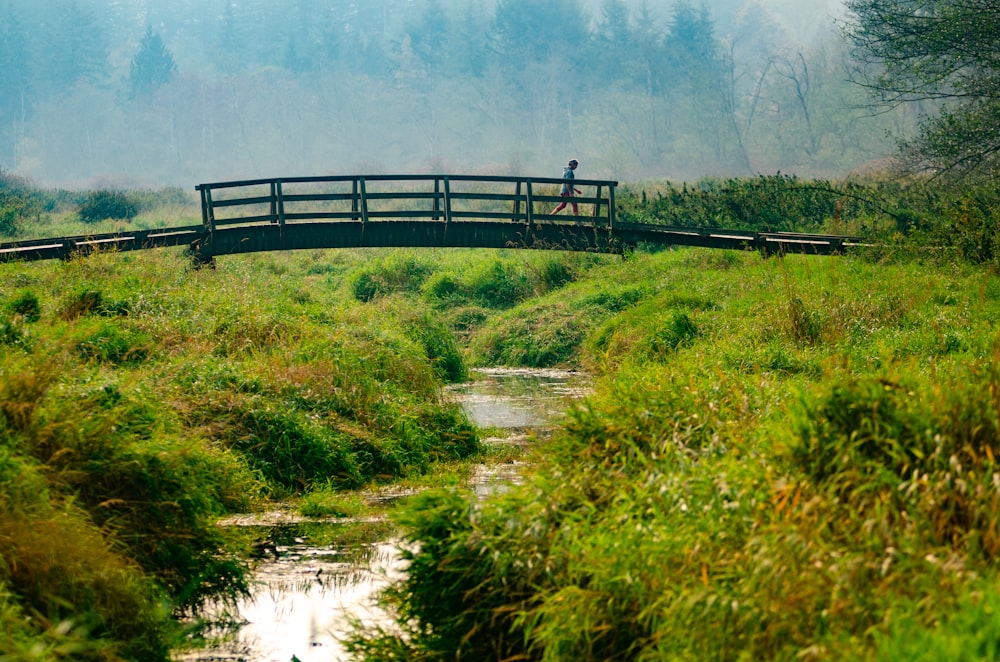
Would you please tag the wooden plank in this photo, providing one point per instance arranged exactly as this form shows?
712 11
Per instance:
239 202
502 197
244 220
205 204
499 179
319 197
332 215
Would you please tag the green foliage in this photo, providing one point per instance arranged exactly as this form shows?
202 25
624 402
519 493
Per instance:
795 456
13 333
152 66
439 345
19 202
498 285
77 598
784 453
933 452
110 342
330 501
104 204
26 305
767 203
157 399
911 53
399 272
966 634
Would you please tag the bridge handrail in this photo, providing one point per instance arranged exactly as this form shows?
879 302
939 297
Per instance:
318 179
523 200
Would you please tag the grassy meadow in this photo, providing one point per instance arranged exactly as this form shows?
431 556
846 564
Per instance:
784 458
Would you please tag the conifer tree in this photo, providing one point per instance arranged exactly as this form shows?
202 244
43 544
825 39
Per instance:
152 66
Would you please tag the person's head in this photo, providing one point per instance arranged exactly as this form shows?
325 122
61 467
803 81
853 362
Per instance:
573 163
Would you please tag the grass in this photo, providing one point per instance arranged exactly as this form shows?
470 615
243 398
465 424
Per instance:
141 400
784 458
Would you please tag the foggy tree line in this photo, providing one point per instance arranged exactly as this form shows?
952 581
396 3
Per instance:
192 90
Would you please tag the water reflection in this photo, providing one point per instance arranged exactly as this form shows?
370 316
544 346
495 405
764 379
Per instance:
312 578
518 398
309 583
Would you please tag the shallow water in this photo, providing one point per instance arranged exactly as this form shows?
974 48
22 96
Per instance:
518 398
314 577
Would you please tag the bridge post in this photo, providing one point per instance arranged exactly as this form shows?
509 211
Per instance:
436 205
274 200
207 210
611 207
364 205
204 207
279 203
529 212
517 201
447 204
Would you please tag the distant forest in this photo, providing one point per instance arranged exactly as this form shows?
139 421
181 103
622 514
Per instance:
174 92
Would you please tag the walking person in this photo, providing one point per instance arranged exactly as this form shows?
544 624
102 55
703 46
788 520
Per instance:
568 191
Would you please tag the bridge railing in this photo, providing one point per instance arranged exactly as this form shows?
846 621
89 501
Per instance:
364 198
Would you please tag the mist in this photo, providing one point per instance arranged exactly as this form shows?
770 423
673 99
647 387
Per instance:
152 93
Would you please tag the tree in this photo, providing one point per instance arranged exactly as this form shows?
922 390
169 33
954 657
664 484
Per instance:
946 51
613 39
697 77
152 66
429 36
15 70
531 32
73 49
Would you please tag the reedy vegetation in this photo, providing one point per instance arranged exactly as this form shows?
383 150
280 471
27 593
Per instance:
142 399
785 456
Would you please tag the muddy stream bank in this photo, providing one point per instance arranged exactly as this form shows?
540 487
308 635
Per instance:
314 576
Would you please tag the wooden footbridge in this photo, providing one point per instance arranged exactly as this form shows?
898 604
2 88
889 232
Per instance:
412 211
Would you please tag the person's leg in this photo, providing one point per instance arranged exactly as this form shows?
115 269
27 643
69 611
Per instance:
576 210
562 205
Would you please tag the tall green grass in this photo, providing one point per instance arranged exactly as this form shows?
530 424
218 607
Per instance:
142 399
784 457
788 458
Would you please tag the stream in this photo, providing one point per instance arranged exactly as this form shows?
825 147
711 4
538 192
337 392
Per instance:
315 577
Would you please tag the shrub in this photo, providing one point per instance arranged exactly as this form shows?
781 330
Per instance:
78 592
499 285
108 342
104 204
439 345
12 333
81 302
18 202
400 272
26 305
